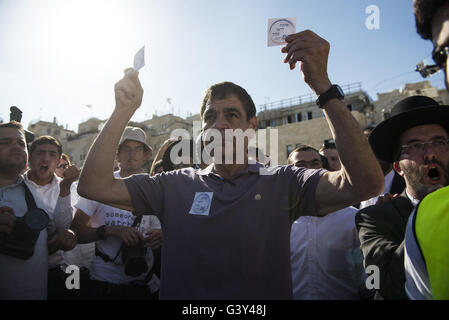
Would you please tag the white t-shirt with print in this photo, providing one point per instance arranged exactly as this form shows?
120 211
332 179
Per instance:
101 214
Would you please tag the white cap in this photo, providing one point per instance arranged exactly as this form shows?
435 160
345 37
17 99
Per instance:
135 134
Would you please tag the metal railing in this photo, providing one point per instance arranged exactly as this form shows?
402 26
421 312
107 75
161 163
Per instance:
306 98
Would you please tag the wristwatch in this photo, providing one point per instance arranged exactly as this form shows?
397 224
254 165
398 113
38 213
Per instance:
101 232
333 92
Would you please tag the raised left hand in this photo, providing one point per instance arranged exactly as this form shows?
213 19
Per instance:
312 52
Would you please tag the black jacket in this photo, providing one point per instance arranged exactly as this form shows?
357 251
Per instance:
382 232
398 184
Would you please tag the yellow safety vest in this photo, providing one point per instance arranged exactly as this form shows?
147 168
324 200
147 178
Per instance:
432 233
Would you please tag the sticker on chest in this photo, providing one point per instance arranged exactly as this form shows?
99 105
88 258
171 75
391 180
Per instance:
201 203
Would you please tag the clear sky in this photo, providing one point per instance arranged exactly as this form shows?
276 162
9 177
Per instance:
59 56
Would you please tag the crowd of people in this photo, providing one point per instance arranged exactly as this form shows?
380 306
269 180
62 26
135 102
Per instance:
376 197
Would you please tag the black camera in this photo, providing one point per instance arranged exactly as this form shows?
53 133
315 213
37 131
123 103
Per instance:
16 115
329 144
21 241
133 258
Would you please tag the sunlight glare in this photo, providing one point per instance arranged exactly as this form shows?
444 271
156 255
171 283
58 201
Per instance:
89 35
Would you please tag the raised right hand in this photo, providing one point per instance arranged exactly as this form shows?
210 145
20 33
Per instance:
128 92
70 175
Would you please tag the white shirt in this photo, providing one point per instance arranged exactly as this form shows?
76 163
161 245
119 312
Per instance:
23 279
326 260
83 253
413 200
387 187
102 214
58 208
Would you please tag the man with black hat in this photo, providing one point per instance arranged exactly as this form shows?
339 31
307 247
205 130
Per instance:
415 140
426 253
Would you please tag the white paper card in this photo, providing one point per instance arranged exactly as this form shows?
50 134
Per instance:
201 203
139 59
279 29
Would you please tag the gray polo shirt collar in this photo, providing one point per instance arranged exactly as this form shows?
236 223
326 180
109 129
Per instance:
10 186
250 168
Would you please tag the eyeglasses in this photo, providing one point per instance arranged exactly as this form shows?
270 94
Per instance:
439 56
418 147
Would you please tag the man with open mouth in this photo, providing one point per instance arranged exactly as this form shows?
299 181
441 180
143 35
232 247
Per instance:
415 140
55 192
426 250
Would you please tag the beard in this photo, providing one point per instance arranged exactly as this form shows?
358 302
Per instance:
415 177
10 167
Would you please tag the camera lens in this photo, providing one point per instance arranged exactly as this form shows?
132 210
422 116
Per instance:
134 260
135 267
36 219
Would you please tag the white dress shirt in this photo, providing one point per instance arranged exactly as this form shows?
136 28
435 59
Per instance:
326 260
83 253
59 210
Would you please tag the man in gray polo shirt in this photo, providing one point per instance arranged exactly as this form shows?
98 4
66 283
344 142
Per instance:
21 277
227 227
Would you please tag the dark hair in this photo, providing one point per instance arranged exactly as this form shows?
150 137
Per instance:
424 12
397 151
66 158
223 90
167 163
328 144
155 167
46 140
302 148
13 124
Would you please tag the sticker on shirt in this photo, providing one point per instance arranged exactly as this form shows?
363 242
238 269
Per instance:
201 203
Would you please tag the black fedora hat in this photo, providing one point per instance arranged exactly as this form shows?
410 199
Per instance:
408 113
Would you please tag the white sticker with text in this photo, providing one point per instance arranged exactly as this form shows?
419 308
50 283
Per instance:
201 203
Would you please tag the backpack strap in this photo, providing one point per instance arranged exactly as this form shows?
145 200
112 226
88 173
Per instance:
31 203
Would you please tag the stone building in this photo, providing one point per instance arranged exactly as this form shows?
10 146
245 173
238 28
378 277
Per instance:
304 108
43 128
299 121
386 101
77 145
296 121
159 129
290 136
